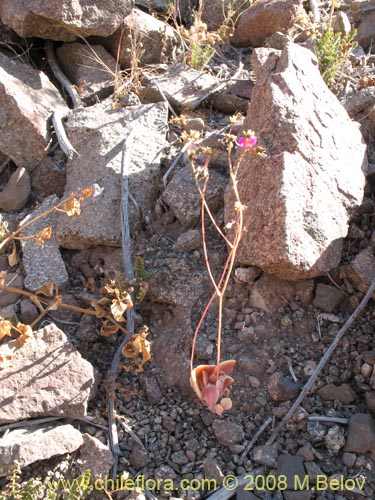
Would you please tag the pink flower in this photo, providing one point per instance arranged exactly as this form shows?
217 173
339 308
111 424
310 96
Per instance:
246 142
211 382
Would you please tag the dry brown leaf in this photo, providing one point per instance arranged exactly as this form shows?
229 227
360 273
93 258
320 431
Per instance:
55 304
108 329
25 333
3 276
100 312
139 345
5 328
48 289
72 207
117 309
44 234
13 257
87 192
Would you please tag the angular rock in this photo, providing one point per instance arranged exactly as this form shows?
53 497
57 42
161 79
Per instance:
291 466
370 400
361 434
92 69
212 470
95 456
227 433
262 19
9 314
343 393
28 312
189 241
152 390
328 297
266 455
282 388
183 8
247 275
300 198
26 446
43 264
97 133
361 270
139 458
65 21
215 12
152 38
15 280
183 198
184 87
27 100
366 30
234 98
46 376
47 178
16 192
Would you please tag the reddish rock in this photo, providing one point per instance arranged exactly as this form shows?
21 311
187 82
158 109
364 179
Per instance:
366 29
227 433
361 434
343 393
300 198
16 192
66 20
328 297
95 456
282 388
361 270
262 19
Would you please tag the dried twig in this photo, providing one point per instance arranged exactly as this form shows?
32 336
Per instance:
130 431
165 100
323 361
229 489
254 439
129 273
59 75
175 161
337 420
28 423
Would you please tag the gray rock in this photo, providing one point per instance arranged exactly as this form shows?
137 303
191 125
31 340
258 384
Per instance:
28 312
247 275
212 470
334 440
262 19
215 12
227 433
348 459
27 100
48 179
46 377
15 280
341 23
183 198
95 456
366 30
282 388
313 470
9 314
92 69
266 455
370 400
270 292
43 264
300 198
26 446
152 38
183 86
343 393
291 466
97 133
58 20
328 297
16 192
179 457
152 389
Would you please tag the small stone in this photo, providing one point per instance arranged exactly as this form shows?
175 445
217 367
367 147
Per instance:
28 312
313 470
254 382
316 430
334 440
168 423
95 456
247 275
366 370
341 23
370 400
307 453
291 466
17 191
188 241
139 458
309 367
369 357
179 457
7 298
282 388
227 433
212 470
348 459
239 325
361 434
327 297
362 269
266 455
152 389
343 393
355 232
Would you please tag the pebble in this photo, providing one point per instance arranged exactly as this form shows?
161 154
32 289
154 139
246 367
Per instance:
348 459
366 370
281 388
316 430
334 440
307 452
212 470
180 458
266 455
254 382
309 367
139 458
152 389
313 470
228 433
343 393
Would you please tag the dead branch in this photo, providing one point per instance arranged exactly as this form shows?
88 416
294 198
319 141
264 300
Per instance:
323 361
64 142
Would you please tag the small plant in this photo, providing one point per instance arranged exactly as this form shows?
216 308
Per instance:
332 50
33 489
211 382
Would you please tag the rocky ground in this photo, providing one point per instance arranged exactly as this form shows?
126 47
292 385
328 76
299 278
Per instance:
284 305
